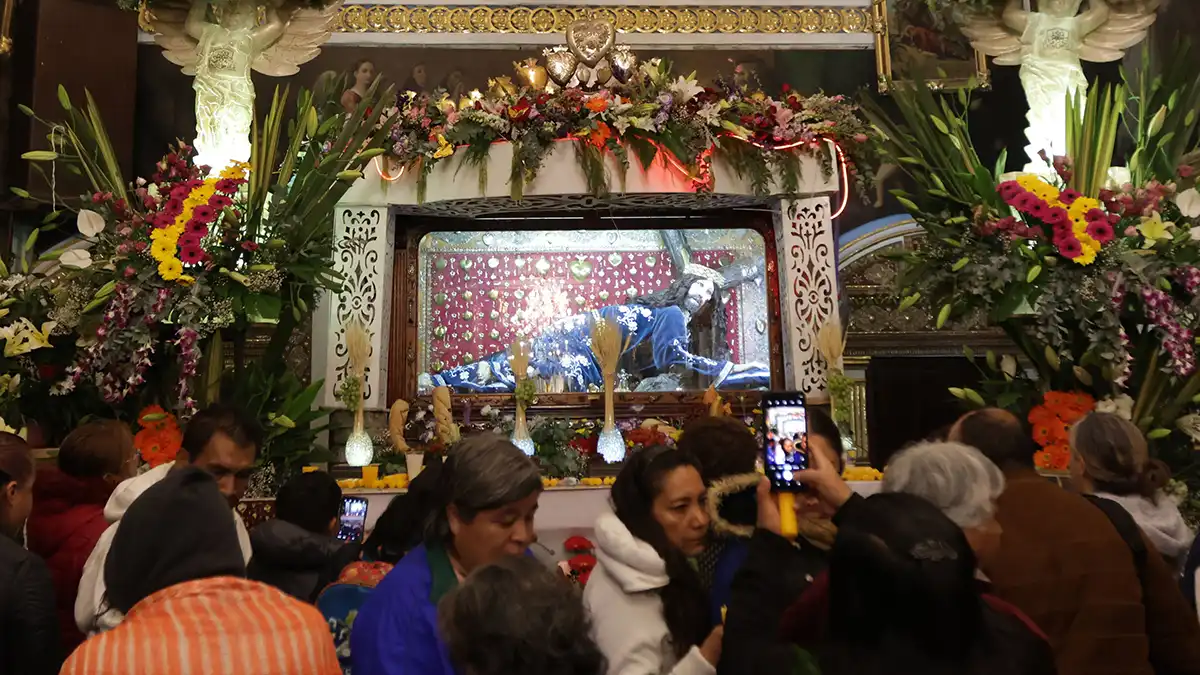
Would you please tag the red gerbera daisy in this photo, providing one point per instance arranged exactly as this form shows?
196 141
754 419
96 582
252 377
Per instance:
226 185
1101 231
163 220
1070 248
1068 197
1026 201
191 255
219 201
187 239
1096 214
173 207
196 228
1056 215
204 213
1010 190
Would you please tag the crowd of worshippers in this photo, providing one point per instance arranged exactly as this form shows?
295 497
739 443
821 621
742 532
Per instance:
967 562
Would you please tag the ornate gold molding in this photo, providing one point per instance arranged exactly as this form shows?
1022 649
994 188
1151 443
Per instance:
539 19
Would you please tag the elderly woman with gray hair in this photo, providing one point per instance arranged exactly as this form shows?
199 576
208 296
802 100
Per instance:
485 499
516 616
957 479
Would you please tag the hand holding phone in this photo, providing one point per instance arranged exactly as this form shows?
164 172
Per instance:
785 440
353 524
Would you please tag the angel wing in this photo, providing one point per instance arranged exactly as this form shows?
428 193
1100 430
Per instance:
300 43
989 35
169 33
1128 23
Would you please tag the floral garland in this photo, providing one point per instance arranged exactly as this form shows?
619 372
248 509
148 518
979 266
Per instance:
656 115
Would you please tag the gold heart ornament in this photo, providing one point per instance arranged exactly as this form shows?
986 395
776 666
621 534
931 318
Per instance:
591 40
560 64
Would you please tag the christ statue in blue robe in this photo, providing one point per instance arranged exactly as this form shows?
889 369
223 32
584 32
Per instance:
658 320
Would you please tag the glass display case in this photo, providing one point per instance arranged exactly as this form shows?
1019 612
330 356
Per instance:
692 305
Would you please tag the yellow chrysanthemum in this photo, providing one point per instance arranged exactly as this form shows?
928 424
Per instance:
170 269
186 279
162 250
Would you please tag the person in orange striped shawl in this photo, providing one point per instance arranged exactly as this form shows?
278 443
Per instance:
176 571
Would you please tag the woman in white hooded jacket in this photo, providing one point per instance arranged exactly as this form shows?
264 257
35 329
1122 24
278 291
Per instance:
1110 459
649 610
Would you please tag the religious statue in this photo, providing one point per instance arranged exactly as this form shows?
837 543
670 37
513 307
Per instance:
1048 44
219 43
658 320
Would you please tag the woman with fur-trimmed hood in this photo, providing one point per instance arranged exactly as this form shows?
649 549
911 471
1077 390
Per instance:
752 572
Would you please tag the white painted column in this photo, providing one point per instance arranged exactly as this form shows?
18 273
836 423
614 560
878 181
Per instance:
363 250
808 288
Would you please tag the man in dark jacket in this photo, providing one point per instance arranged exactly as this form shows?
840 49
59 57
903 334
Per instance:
298 552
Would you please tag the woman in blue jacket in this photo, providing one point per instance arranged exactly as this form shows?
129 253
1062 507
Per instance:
486 498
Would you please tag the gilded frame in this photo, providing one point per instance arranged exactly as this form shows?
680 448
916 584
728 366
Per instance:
883 58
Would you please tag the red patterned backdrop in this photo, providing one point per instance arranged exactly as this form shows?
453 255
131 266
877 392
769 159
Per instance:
479 302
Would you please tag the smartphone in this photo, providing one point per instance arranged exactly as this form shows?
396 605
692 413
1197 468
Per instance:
785 439
354 519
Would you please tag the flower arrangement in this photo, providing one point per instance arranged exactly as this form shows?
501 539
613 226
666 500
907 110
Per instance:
1095 280
656 115
171 274
1052 420
159 439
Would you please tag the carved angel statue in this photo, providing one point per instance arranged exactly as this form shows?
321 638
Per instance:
1048 44
219 47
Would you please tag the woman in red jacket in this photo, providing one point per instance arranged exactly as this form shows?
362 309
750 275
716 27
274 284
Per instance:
69 517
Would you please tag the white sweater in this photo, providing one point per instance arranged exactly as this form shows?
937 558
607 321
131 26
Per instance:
91 597
626 609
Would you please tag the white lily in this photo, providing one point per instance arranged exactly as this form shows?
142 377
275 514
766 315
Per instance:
685 88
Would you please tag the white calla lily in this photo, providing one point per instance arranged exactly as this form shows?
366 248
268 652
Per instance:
1188 202
76 258
90 223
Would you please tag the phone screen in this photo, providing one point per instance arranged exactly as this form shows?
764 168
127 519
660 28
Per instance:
354 519
785 440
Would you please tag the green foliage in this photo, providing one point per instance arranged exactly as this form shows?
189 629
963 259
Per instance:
551 440
285 405
1166 106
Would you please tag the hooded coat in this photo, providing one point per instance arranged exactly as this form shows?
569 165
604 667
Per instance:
63 530
92 614
296 561
623 598
1160 521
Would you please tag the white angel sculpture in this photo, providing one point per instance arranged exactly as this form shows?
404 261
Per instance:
273 39
1048 45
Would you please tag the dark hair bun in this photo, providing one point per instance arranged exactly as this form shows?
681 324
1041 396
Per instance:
1154 477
